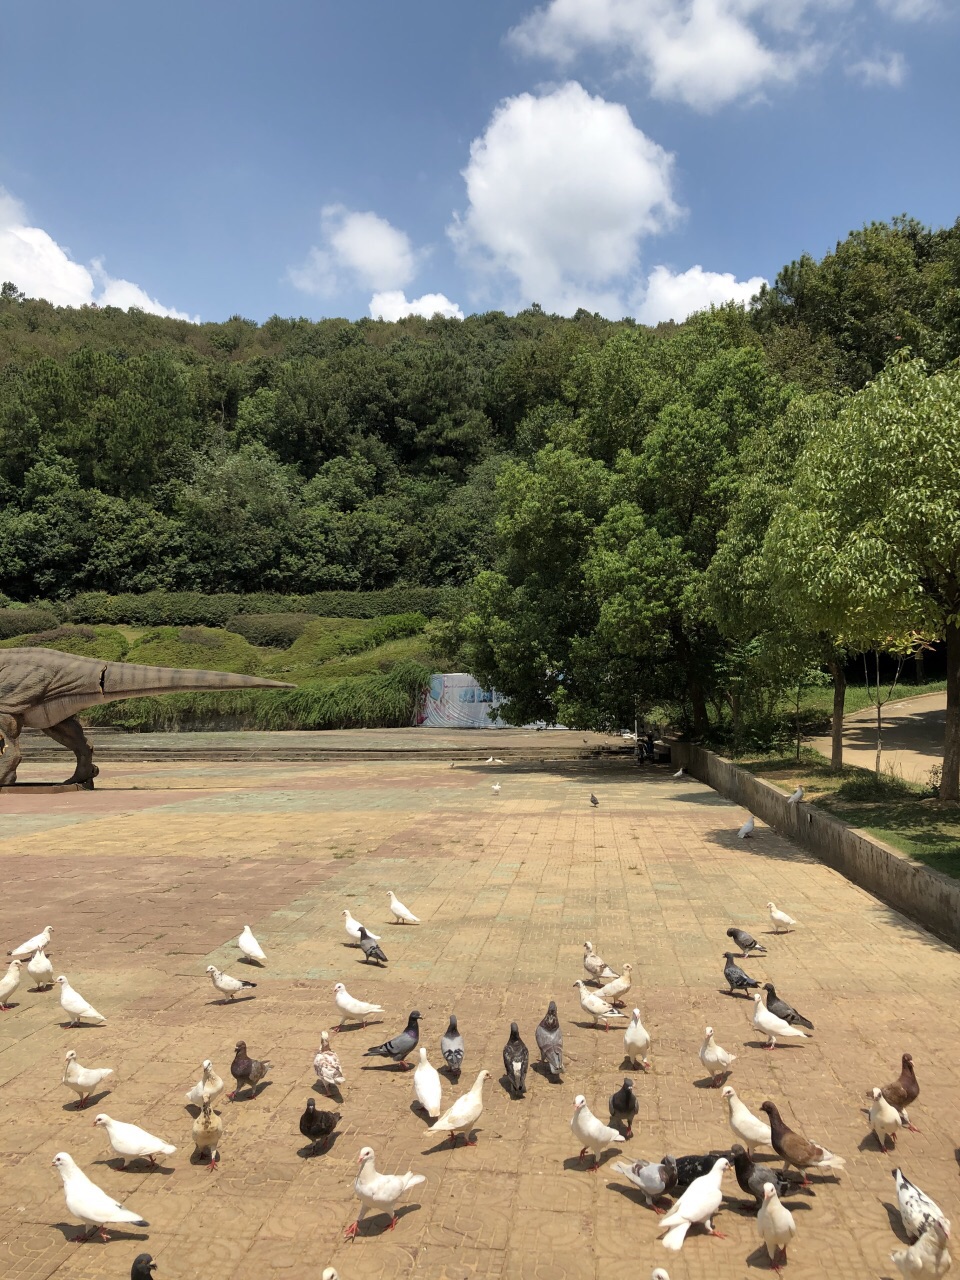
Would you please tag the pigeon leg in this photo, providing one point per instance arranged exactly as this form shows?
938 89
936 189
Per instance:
231 1096
771 1043
213 1162
351 1231
712 1230
104 1235
393 1223
656 1209
86 1235
405 1066
122 1164
583 1155
468 1143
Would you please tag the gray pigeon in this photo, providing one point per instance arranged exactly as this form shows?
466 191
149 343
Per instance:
371 950
400 1045
246 1071
516 1057
143 1265
784 1010
451 1046
753 1177
624 1105
550 1040
593 800
652 1179
746 942
735 976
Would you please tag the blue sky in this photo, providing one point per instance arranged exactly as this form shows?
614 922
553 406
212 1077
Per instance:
641 157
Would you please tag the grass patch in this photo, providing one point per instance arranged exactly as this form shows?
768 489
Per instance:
198 648
107 643
902 814
382 658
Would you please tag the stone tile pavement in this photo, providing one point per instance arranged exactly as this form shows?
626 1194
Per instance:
148 878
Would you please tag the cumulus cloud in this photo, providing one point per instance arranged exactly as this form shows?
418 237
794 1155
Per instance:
561 188
356 248
674 296
704 53
392 304
887 70
41 268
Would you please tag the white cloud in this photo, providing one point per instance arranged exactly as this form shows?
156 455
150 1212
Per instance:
701 52
356 248
886 69
561 188
392 304
911 10
670 296
41 268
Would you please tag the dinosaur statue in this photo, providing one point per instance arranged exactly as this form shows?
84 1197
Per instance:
43 689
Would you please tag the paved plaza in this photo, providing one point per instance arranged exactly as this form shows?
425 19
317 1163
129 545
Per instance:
147 880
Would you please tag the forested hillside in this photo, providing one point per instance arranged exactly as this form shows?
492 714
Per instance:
701 517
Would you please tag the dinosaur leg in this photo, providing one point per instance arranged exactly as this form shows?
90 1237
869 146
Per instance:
10 754
69 733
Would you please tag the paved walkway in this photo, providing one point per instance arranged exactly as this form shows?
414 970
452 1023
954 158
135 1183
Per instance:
913 730
147 878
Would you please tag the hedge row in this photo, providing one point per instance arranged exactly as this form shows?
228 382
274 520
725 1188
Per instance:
192 608
20 622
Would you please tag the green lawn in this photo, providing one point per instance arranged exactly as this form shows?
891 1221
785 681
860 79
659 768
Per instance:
901 813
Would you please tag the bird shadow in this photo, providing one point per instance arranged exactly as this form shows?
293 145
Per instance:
956 1155
401 1213
78 1026
507 1087
135 1164
310 1152
12 1004
379 963
541 1069
332 1091
235 1000
384 1066
762 1044
759 1259
631 1193
422 1113
727 992
581 1166
869 1142
595 1026
197 1157
257 964
70 1231
451 1074
628 1065
896 1222
707 1082
357 1026
249 1094
445 1144
92 1101
34 990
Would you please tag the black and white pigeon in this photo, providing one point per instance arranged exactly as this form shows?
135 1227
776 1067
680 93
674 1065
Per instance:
318 1126
753 1177
400 1046
746 942
246 1071
624 1105
451 1046
593 800
917 1210
371 949
781 1009
550 1041
143 1266
735 976
516 1059
689 1168
652 1179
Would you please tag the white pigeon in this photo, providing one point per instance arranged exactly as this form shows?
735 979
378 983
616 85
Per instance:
426 1085
636 1042
225 984
928 1256
250 947
916 1207
327 1065
83 1080
464 1113
206 1132
350 1007
780 919
86 1201
771 1025
41 970
72 1002
492 760
381 1192
747 1128
775 1226
495 788
330 1273
353 927
796 797
208 1088
717 1062
885 1121
404 914
618 987
9 982
658 1273
592 1134
747 829
131 1142
680 772
37 943
699 1203
597 968
591 1003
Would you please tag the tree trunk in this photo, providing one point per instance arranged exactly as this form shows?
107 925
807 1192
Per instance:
839 699
701 721
950 782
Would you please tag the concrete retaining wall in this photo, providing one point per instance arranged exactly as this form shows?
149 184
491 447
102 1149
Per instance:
926 896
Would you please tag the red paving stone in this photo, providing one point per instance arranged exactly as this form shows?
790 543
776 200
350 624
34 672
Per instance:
145 887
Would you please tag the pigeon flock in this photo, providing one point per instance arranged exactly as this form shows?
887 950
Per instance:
685 1192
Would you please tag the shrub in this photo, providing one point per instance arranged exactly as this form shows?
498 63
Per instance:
271 630
89 642
327 638
24 621
202 648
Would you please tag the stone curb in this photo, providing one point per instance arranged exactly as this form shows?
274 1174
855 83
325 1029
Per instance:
925 896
